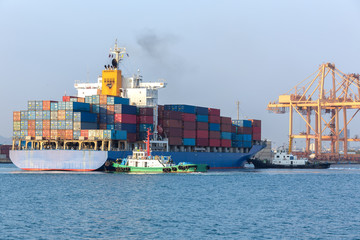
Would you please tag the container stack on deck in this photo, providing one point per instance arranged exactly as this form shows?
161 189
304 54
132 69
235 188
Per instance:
101 117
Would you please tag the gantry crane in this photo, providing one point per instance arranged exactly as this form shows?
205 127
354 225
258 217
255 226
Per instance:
329 91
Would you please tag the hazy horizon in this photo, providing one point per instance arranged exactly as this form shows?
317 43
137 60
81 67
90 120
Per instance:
210 53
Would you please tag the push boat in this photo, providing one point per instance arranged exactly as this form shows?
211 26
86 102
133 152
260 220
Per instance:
143 162
282 159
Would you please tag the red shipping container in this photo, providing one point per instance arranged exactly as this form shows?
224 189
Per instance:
31 132
84 133
103 126
172 115
189 133
16 117
173 132
46 124
202 142
225 143
244 130
125 118
61 133
256 130
110 109
256 136
225 120
202 126
131 137
46 134
233 128
202 134
31 125
146 112
225 127
255 123
146 119
214 142
172 123
69 134
214 112
67 98
189 125
188 117
175 141
214 135
214 119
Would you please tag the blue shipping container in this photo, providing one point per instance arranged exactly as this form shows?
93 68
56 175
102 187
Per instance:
202 118
95 108
85 117
61 125
31 105
54 106
214 126
225 135
242 123
38 105
61 105
143 127
131 128
201 111
24 115
78 106
24 125
111 100
46 115
189 141
31 115
110 126
76 134
109 119
38 115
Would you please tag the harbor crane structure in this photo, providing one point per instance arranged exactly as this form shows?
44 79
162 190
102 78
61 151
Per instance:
322 101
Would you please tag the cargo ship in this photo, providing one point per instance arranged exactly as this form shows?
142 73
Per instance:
108 119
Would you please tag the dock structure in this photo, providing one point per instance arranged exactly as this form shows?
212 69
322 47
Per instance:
323 101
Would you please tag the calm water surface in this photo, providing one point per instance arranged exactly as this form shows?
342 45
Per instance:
243 204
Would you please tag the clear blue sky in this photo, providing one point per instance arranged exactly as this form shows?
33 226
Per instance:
212 53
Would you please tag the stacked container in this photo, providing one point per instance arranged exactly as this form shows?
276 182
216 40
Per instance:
145 121
225 128
242 136
256 129
214 127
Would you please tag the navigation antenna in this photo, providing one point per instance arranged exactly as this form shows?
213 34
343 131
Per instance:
119 53
238 109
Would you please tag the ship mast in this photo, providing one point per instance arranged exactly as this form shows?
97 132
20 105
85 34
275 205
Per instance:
119 53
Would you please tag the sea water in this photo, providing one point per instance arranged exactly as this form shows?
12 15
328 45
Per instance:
241 204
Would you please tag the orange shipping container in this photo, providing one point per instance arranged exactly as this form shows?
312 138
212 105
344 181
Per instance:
16 117
61 134
31 125
103 99
46 134
31 132
69 134
46 105
61 114
84 133
46 124
80 99
110 109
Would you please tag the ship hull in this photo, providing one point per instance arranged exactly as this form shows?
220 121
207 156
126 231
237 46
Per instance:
259 164
87 160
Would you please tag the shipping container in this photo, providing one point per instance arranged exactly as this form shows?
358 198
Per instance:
225 127
170 123
202 111
202 142
110 109
46 106
69 125
146 111
103 109
125 118
78 106
17 134
225 120
84 133
189 125
225 143
143 127
69 134
103 126
23 134
189 141
146 119
214 119
111 100
46 125
85 117
61 115
17 116
61 133
53 124
109 119
31 105
173 132
61 125
17 126
256 129
88 99
214 112
31 124
38 105
189 133
167 114
69 99
38 133
130 128
202 126
125 109
256 136
61 105
202 118
226 135
242 123
214 127
54 115
180 108
95 108
46 134
110 126
24 124
214 143
76 134
84 125
102 118
31 133
188 117
214 135
31 115
202 134
38 115
244 130
103 99
38 124
46 115
23 115
69 115
131 137
54 106
175 141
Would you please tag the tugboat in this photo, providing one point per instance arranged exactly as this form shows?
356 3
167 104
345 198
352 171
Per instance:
285 160
144 162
